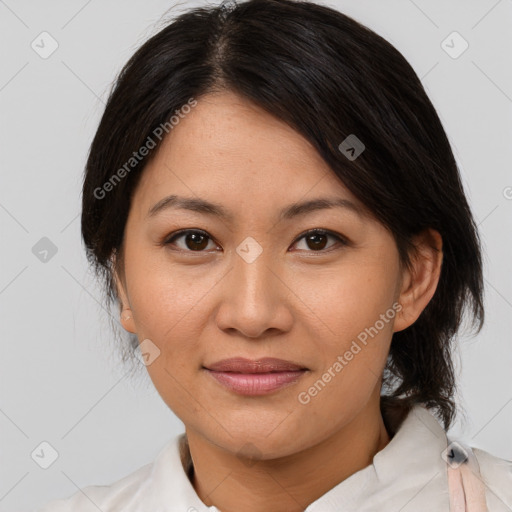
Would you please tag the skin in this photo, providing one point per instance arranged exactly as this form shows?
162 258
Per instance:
294 301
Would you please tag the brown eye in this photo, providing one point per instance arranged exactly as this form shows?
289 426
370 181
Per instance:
197 241
194 240
317 239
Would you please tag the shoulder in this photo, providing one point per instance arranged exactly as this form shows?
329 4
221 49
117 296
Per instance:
496 474
151 487
102 497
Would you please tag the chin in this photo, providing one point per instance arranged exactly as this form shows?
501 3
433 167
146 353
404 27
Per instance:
259 444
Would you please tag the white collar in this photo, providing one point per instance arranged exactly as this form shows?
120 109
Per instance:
408 474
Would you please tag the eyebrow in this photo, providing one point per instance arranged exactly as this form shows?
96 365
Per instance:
206 207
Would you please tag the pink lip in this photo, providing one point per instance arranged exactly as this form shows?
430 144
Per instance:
259 377
264 365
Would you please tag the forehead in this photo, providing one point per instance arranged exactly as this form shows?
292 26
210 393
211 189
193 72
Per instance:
232 152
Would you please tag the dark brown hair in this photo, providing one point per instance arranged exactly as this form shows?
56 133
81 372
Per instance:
328 77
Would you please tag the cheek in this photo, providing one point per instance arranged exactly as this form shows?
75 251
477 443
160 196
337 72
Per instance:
350 337
351 298
168 307
164 295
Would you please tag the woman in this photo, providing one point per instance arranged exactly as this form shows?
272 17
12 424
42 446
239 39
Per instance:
273 204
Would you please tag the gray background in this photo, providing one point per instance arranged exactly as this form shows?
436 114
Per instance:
60 380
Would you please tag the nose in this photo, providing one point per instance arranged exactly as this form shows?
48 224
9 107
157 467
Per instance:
253 299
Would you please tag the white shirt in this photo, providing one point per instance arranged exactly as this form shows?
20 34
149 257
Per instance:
408 475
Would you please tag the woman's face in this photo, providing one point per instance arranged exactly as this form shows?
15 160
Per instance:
253 286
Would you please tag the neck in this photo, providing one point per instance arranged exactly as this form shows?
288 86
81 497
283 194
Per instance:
287 484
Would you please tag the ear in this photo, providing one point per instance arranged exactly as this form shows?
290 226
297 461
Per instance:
126 313
419 284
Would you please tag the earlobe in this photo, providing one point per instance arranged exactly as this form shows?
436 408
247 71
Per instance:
127 320
420 283
126 313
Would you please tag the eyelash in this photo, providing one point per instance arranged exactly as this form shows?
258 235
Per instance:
314 231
